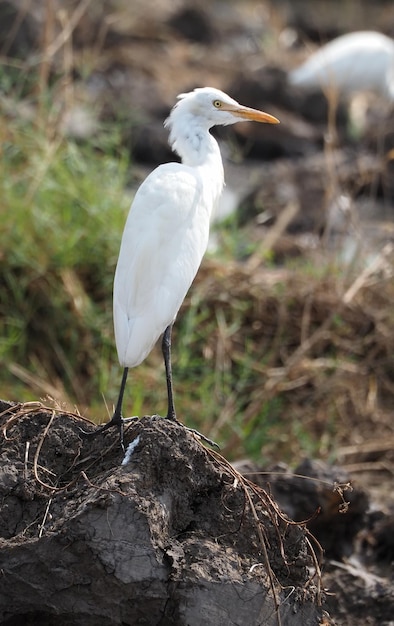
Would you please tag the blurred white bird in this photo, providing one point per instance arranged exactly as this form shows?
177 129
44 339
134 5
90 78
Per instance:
166 233
359 61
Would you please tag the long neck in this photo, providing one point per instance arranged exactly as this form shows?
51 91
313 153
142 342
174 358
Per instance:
191 140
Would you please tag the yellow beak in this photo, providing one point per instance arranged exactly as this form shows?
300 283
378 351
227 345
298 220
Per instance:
252 114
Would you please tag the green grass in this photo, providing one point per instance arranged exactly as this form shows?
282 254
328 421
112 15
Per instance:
63 207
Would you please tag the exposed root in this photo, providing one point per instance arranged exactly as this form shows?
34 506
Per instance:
257 501
254 496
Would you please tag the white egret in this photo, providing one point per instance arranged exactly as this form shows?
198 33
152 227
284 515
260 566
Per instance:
166 233
358 61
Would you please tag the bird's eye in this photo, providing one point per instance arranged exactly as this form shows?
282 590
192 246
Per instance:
217 104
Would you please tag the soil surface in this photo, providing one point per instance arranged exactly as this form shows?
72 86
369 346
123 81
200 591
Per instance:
170 533
173 536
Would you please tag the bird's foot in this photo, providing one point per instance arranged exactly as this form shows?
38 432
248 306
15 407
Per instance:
117 421
195 432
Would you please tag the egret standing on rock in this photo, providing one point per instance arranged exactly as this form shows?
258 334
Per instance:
166 233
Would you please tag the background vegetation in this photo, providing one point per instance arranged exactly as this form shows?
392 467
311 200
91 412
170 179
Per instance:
271 361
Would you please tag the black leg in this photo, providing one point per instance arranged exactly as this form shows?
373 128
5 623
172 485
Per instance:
117 419
117 416
166 349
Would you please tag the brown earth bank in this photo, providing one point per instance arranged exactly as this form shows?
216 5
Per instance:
177 535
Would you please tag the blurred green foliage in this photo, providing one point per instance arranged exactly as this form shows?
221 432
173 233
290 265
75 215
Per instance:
63 207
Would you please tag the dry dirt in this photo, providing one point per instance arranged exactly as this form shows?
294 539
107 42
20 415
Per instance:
176 536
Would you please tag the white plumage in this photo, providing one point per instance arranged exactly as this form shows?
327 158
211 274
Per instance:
359 61
159 257
167 229
166 234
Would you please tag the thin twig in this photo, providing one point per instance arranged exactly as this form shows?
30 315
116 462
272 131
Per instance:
27 447
366 274
41 527
67 29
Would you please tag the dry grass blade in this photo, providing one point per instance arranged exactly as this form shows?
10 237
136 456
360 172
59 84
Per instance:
372 466
273 235
376 266
67 30
317 575
46 513
37 455
39 382
271 576
27 448
301 343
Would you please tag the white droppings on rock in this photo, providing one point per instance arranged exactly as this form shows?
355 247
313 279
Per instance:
130 449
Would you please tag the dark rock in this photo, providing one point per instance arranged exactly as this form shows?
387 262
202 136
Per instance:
167 539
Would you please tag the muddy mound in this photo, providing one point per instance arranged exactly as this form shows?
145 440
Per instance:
172 536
